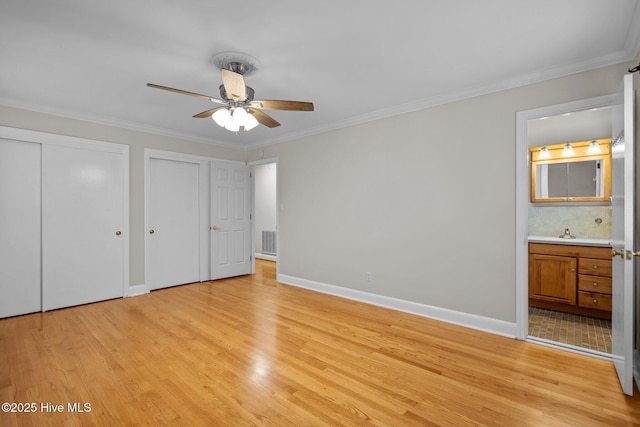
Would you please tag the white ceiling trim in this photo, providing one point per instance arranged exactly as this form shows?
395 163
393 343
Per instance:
632 44
471 92
123 124
551 73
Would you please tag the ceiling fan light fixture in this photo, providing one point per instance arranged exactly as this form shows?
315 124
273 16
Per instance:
240 116
221 117
238 108
251 122
232 126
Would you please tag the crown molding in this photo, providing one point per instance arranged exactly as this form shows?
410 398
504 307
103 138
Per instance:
119 123
465 93
632 49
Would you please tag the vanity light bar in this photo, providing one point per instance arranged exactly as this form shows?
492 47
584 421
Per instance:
579 148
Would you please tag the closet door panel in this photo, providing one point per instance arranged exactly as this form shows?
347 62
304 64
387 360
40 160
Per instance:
82 223
173 216
20 273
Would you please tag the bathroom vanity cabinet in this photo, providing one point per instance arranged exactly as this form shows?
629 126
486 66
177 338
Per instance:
570 278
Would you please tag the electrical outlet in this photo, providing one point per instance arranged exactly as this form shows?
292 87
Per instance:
368 276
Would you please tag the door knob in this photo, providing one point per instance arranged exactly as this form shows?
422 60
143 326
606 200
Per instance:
631 254
615 253
215 228
118 233
152 231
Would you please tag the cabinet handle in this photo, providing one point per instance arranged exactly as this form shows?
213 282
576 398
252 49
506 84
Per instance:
595 267
118 233
152 231
595 284
573 269
595 301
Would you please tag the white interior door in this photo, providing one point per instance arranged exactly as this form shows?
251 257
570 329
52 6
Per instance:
82 224
230 220
20 262
623 241
172 238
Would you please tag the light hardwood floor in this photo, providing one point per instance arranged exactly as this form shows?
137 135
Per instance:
249 351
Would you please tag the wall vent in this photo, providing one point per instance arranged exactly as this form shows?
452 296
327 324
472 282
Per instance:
269 242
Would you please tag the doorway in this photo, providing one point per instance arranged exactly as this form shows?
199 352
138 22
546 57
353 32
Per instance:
575 121
265 207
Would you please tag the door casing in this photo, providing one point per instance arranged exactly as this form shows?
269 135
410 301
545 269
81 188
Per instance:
522 197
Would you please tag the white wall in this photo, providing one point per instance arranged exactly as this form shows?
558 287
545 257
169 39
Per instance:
265 201
424 201
137 142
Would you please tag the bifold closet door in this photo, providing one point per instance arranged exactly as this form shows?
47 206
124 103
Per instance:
20 274
173 238
82 223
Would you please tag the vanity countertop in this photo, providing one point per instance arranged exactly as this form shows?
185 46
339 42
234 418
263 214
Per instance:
577 241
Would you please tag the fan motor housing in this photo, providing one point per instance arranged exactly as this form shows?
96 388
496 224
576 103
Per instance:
249 91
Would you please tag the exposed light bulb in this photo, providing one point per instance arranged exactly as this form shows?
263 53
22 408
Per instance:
544 153
251 122
221 117
240 116
594 148
567 151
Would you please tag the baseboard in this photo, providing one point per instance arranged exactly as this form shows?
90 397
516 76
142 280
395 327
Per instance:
267 257
137 290
481 323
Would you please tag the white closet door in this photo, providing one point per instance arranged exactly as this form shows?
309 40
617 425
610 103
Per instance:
82 223
173 241
20 283
230 219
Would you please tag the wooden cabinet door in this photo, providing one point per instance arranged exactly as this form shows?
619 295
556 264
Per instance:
553 278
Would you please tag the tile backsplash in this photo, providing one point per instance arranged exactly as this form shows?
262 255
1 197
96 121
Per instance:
581 220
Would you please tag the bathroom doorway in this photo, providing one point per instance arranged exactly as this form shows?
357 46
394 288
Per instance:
564 324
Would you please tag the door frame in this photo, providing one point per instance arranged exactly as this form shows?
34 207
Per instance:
522 201
204 211
253 209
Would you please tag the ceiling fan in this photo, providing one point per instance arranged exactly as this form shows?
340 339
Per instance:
238 109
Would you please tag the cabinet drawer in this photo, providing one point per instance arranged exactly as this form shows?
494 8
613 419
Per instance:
594 300
596 267
594 284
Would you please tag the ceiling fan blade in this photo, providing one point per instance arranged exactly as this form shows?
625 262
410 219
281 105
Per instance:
207 113
234 85
264 119
184 92
282 105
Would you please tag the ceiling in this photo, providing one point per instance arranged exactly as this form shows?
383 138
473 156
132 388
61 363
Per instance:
356 60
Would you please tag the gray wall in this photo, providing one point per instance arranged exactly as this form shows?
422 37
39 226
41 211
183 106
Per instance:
425 201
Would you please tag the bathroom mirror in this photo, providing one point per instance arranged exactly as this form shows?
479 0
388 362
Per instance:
577 177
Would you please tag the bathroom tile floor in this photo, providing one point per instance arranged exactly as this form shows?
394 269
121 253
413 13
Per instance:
581 331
